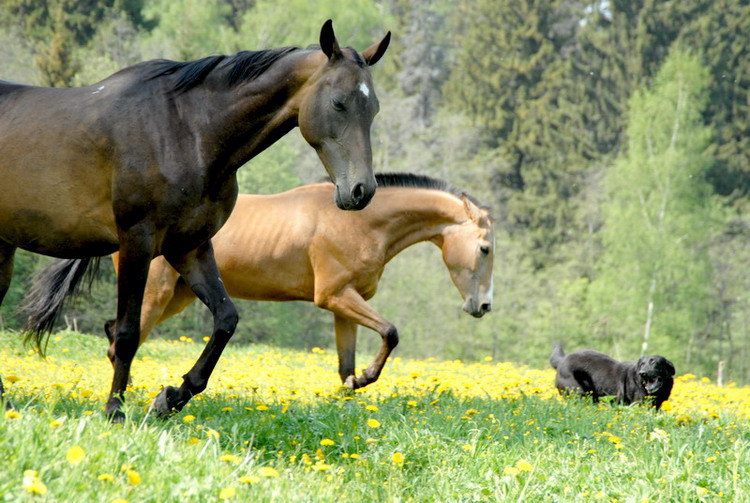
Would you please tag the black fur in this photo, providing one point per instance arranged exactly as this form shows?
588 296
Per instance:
590 372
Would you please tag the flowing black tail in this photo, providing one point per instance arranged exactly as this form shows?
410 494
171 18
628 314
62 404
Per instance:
556 356
52 285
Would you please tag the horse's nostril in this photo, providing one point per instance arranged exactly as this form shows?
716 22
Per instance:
486 307
358 192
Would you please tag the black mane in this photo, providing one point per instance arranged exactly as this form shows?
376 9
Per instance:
243 66
416 181
421 182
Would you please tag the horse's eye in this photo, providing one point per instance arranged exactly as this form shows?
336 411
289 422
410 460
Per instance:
338 105
484 249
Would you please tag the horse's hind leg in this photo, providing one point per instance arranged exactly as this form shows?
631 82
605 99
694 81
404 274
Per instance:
7 253
198 268
349 305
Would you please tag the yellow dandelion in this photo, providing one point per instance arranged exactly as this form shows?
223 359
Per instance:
134 477
326 442
11 379
106 477
524 465
510 470
398 458
75 455
320 467
231 458
227 409
227 493
666 406
268 471
614 439
373 408
120 500
249 479
213 434
411 403
12 414
188 419
32 483
262 407
466 447
193 441
373 423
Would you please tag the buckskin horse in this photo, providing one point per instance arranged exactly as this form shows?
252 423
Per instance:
297 246
144 162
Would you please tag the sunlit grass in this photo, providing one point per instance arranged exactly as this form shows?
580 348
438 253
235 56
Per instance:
275 426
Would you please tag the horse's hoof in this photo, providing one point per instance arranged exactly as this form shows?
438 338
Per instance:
350 382
165 402
116 416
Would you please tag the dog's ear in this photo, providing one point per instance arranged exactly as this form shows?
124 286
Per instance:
670 366
640 363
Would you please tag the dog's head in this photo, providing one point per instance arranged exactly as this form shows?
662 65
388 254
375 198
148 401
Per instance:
654 372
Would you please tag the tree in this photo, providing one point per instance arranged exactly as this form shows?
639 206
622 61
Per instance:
654 285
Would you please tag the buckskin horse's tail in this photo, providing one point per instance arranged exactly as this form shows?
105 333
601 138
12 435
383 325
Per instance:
557 355
43 304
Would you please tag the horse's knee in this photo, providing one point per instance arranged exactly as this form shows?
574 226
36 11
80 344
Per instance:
125 345
391 337
226 319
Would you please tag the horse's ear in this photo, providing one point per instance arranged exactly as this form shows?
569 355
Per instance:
328 43
471 209
372 54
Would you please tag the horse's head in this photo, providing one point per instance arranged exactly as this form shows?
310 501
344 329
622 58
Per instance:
336 114
468 252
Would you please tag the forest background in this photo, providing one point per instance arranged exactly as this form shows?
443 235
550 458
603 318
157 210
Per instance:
611 139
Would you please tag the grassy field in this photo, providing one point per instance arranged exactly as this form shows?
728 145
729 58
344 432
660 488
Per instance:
274 426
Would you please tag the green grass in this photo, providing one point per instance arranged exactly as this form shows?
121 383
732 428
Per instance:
455 449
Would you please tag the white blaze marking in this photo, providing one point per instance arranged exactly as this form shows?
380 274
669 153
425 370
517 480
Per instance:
365 90
98 90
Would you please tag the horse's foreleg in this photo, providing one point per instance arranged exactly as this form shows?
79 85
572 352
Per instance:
159 290
198 268
346 345
349 305
7 253
136 250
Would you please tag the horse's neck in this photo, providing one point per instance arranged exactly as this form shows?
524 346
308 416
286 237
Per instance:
257 113
415 215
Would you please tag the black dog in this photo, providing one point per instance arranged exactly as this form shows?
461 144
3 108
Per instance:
588 371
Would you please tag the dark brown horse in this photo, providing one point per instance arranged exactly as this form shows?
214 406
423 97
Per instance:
144 162
297 246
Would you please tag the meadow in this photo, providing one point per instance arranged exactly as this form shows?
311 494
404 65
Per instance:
274 425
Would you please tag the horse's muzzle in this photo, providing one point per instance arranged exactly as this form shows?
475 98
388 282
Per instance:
358 197
477 310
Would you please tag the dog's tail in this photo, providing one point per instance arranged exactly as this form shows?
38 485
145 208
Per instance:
556 356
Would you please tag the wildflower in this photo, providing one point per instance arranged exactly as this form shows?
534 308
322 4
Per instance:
666 406
320 467
75 455
268 471
397 458
227 409
188 419
193 440
373 408
327 441
32 483
262 407
107 477
213 434
230 458
120 500
249 479
134 477
12 414
411 403
227 493
524 465
511 470
373 423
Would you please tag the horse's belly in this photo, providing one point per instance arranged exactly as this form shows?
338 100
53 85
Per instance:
59 235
